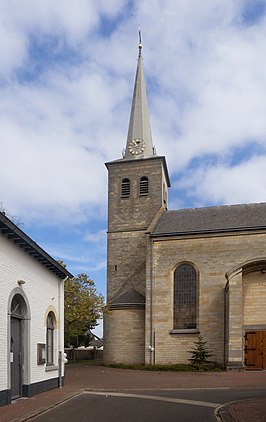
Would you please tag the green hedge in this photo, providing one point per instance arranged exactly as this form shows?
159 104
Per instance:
178 367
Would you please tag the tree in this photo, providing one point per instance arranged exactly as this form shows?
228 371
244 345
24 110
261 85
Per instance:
200 353
83 307
16 220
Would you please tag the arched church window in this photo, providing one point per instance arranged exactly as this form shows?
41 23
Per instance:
50 339
185 297
144 186
125 188
18 308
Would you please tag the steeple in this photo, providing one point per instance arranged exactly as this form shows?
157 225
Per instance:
139 140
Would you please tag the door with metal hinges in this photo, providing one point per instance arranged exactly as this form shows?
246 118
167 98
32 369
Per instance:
255 350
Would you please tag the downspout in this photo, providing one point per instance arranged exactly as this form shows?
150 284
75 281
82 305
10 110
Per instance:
152 343
226 299
61 331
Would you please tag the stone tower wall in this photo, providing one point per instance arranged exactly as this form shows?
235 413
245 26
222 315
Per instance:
124 336
135 212
128 220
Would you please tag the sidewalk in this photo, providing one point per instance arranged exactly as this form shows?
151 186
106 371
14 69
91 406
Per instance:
94 377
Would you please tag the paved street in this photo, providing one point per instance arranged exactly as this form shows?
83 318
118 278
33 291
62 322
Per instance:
106 408
178 405
94 392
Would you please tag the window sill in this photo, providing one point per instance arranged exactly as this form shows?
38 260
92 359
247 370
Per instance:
185 331
51 368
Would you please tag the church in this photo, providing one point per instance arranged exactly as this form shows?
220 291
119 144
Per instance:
172 275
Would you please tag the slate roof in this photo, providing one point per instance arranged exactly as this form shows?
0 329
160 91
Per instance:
130 299
219 219
16 235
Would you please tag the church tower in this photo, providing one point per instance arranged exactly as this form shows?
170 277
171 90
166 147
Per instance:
137 190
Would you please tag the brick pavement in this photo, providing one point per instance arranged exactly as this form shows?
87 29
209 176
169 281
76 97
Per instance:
93 376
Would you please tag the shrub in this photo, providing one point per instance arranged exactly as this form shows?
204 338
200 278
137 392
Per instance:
200 353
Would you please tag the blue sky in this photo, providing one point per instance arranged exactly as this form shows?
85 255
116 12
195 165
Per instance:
66 81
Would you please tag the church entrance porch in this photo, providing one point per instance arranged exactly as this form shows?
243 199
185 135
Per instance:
255 350
245 318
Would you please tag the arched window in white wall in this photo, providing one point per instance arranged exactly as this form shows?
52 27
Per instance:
50 339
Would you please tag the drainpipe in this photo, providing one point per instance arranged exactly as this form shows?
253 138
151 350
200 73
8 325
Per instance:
152 343
226 336
61 331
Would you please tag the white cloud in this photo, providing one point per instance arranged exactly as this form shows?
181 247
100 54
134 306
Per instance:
19 21
64 114
98 237
66 82
221 184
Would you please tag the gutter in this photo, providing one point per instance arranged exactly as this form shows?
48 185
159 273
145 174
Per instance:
22 240
192 232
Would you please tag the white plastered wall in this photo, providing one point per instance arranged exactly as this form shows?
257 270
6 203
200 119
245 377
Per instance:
42 291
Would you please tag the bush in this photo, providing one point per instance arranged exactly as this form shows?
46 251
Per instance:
180 367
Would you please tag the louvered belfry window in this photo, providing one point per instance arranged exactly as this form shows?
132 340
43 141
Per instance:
144 186
125 188
185 297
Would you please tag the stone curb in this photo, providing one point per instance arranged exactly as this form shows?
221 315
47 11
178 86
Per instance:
45 409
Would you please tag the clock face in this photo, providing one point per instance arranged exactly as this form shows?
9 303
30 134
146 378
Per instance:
136 146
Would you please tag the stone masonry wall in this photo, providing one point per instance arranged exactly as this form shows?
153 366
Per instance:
124 337
126 263
213 256
128 220
254 298
135 212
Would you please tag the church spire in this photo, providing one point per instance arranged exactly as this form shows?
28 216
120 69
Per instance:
139 139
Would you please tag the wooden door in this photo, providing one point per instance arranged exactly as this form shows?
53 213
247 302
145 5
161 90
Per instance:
255 350
15 351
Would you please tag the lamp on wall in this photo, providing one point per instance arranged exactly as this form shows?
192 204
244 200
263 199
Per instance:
20 282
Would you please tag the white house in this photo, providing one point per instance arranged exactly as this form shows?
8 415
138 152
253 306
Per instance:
31 316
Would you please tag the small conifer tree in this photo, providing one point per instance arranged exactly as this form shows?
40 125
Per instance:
200 353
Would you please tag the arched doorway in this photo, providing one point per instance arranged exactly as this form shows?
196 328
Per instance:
254 317
245 318
18 338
